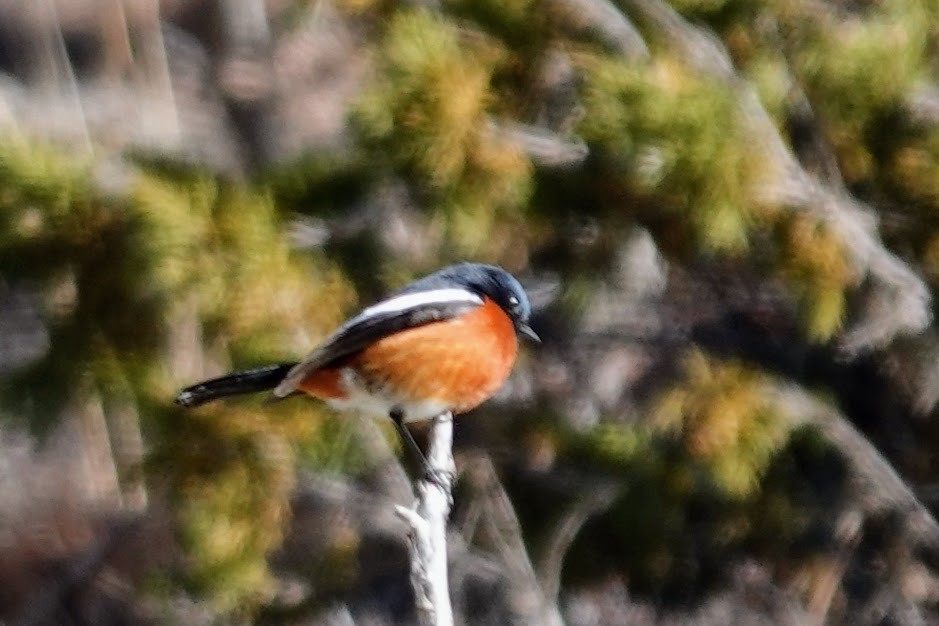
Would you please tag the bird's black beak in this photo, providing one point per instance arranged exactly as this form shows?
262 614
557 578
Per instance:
526 331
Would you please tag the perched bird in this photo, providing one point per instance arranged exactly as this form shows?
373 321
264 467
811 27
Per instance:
445 342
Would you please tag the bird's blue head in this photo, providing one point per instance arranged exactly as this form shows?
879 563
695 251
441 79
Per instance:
485 280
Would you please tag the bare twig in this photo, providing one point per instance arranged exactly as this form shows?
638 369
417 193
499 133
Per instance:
69 76
609 24
826 584
541 145
428 523
879 486
531 601
552 561
245 73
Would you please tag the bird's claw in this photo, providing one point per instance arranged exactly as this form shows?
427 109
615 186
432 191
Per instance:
442 479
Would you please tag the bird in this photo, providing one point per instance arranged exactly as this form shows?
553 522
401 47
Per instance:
445 342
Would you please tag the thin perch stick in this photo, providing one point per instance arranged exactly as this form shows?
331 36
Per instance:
428 524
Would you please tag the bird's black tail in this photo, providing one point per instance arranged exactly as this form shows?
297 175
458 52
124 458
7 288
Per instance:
249 381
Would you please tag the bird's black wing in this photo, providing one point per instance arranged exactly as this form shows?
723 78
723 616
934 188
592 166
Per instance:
399 313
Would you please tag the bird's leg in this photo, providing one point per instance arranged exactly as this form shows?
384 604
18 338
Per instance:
414 450
416 454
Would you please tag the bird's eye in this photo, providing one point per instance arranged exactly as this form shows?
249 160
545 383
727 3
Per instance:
513 301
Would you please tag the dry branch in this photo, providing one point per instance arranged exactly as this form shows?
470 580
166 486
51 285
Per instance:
541 145
531 602
428 527
878 485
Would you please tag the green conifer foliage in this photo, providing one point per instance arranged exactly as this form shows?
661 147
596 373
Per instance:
715 467
859 70
115 273
428 113
814 266
155 274
674 141
724 422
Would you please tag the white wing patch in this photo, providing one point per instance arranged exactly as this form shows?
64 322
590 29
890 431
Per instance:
409 301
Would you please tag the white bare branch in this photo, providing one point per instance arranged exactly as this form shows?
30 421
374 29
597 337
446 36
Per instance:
428 527
542 146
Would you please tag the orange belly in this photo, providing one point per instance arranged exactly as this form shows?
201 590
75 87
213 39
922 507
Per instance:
325 384
459 362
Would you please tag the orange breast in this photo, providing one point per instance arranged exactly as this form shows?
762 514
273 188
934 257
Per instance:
460 362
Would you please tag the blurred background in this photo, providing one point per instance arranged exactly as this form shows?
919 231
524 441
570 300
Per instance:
726 213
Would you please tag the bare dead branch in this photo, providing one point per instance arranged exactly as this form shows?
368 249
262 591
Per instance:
604 18
428 527
552 562
541 145
879 487
529 598
823 591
